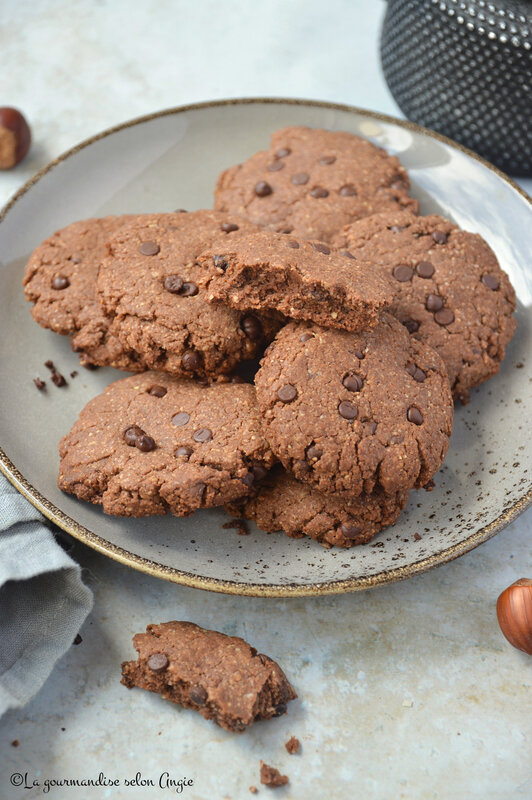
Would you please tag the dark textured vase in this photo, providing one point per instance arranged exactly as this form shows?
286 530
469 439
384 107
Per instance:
465 70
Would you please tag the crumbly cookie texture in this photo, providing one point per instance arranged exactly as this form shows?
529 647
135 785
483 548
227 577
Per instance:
222 677
312 182
152 444
153 287
303 280
355 412
450 290
286 504
60 280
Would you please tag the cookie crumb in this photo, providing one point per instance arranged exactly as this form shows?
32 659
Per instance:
239 525
74 374
49 365
429 486
253 789
270 776
293 745
15 743
39 384
417 537
58 379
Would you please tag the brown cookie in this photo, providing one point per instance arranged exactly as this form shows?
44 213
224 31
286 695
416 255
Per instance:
450 290
151 443
355 412
311 182
222 677
268 271
60 279
152 285
284 503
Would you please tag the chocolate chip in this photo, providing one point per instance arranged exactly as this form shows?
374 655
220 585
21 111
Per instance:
180 211
411 368
347 254
353 383
490 281
321 248
314 452
319 191
425 269
189 289
402 273
300 178
327 160
78 639
360 354
131 435
252 327
145 443
433 302
414 415
173 283
202 435
293 244
76 258
190 360
259 472
180 419
158 391
283 152
158 662
184 451
444 317
287 393
351 531
39 384
149 248
263 189
60 282
275 166
228 227
411 325
372 427
58 379
305 337
197 490
348 190
198 695
301 467
439 237
419 375
279 710
220 262
347 410
248 479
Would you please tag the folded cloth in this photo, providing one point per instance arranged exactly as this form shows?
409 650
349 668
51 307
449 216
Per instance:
43 601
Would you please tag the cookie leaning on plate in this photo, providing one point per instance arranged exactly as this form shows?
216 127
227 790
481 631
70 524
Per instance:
152 444
312 182
355 412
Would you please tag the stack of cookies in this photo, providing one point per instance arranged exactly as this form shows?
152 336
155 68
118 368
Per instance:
370 320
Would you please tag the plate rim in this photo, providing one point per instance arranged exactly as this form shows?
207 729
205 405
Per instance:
98 543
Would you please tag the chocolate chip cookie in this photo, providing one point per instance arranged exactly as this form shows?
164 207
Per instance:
151 284
152 444
311 182
450 290
222 677
268 271
298 509
355 412
60 279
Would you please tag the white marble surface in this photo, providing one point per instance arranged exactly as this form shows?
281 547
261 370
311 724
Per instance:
408 691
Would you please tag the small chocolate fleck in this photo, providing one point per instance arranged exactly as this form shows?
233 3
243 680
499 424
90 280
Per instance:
184 451
283 152
78 639
158 662
439 237
251 326
263 189
351 531
425 269
149 248
300 178
145 443
287 393
198 695
275 166
293 244
348 190
444 317
158 391
60 282
433 302
39 384
190 360
327 160
347 410
347 254
490 281
228 227
173 283
189 289
414 415
402 273
321 248
180 419
411 325
202 435
319 191
353 383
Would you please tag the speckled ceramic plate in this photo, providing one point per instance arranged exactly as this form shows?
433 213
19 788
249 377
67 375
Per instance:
171 160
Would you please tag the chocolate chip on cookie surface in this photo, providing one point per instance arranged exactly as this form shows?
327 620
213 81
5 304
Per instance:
222 677
312 182
151 443
302 280
355 412
450 290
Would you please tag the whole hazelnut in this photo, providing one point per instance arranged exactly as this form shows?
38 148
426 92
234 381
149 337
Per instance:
514 612
15 137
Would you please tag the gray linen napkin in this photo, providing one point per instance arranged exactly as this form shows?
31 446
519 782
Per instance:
43 601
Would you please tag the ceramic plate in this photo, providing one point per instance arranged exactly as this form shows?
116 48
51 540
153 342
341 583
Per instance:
171 160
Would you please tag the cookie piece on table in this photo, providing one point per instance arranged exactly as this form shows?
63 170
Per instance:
268 271
355 412
312 182
450 290
222 677
286 504
152 444
60 280
151 284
